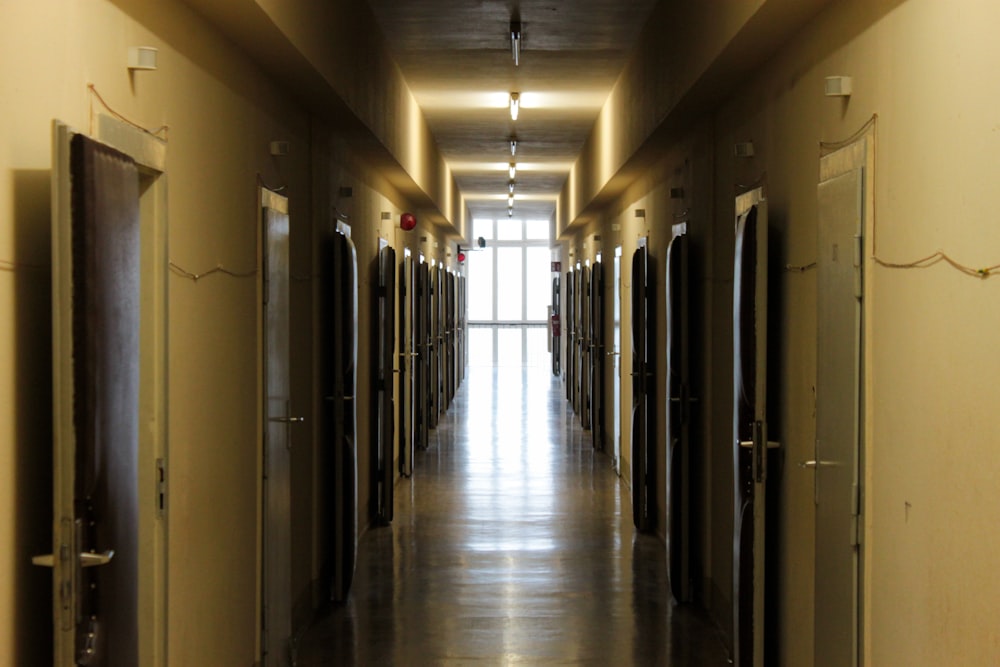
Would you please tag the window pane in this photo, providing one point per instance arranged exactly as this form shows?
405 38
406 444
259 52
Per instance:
481 346
509 283
509 346
537 230
538 347
480 284
539 283
509 230
483 228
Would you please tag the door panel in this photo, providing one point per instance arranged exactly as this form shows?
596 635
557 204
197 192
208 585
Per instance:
643 418
96 324
384 392
407 366
750 445
679 472
277 463
838 418
339 336
616 356
585 343
423 394
597 355
570 337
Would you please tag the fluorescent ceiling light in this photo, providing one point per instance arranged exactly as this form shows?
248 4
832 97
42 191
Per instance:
513 146
515 41
515 105
513 171
510 188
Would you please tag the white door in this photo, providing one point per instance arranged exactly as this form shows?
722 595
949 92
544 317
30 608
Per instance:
838 413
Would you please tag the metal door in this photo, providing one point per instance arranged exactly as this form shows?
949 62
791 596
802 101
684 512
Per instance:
570 337
340 339
616 341
597 355
407 366
276 485
838 418
585 343
423 372
556 327
96 367
384 385
750 437
678 410
643 367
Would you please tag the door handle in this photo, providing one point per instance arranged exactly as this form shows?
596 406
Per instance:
818 464
87 559
287 420
613 354
771 444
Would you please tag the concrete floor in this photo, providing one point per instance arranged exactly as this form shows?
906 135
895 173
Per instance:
512 544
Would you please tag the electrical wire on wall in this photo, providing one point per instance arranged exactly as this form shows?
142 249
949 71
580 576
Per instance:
159 133
195 277
933 259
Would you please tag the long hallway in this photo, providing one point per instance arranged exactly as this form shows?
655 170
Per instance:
512 544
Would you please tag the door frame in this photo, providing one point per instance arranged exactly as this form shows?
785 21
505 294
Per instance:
859 154
149 153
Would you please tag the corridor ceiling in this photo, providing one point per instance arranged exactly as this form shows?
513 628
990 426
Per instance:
456 57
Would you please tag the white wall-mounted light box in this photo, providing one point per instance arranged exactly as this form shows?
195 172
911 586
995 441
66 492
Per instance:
142 57
838 86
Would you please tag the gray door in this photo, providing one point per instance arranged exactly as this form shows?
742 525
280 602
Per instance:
597 426
838 418
750 431
277 436
95 310
643 378
583 310
569 326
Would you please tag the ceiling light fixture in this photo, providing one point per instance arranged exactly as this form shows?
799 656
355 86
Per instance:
513 171
515 105
513 146
510 188
510 201
515 41
510 212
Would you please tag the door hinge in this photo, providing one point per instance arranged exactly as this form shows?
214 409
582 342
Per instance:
857 528
161 488
858 264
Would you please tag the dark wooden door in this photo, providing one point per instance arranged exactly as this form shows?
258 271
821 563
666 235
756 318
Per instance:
679 472
424 350
339 336
570 325
385 398
96 366
750 437
597 355
407 365
643 417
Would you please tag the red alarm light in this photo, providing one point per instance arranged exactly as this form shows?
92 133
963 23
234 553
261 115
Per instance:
407 222
461 258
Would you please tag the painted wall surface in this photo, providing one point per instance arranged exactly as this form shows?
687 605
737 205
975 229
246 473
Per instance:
930 460
222 111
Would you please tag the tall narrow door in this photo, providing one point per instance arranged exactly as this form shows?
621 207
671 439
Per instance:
556 327
423 360
597 426
643 416
407 365
583 317
96 367
616 356
339 337
838 418
678 410
750 437
277 536
571 337
385 383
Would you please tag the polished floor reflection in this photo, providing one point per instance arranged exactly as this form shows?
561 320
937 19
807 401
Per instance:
512 544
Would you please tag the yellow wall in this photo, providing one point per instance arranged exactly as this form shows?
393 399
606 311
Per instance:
222 110
930 455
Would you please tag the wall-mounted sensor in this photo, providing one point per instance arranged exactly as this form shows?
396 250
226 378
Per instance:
142 57
677 193
839 86
280 147
743 149
640 213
